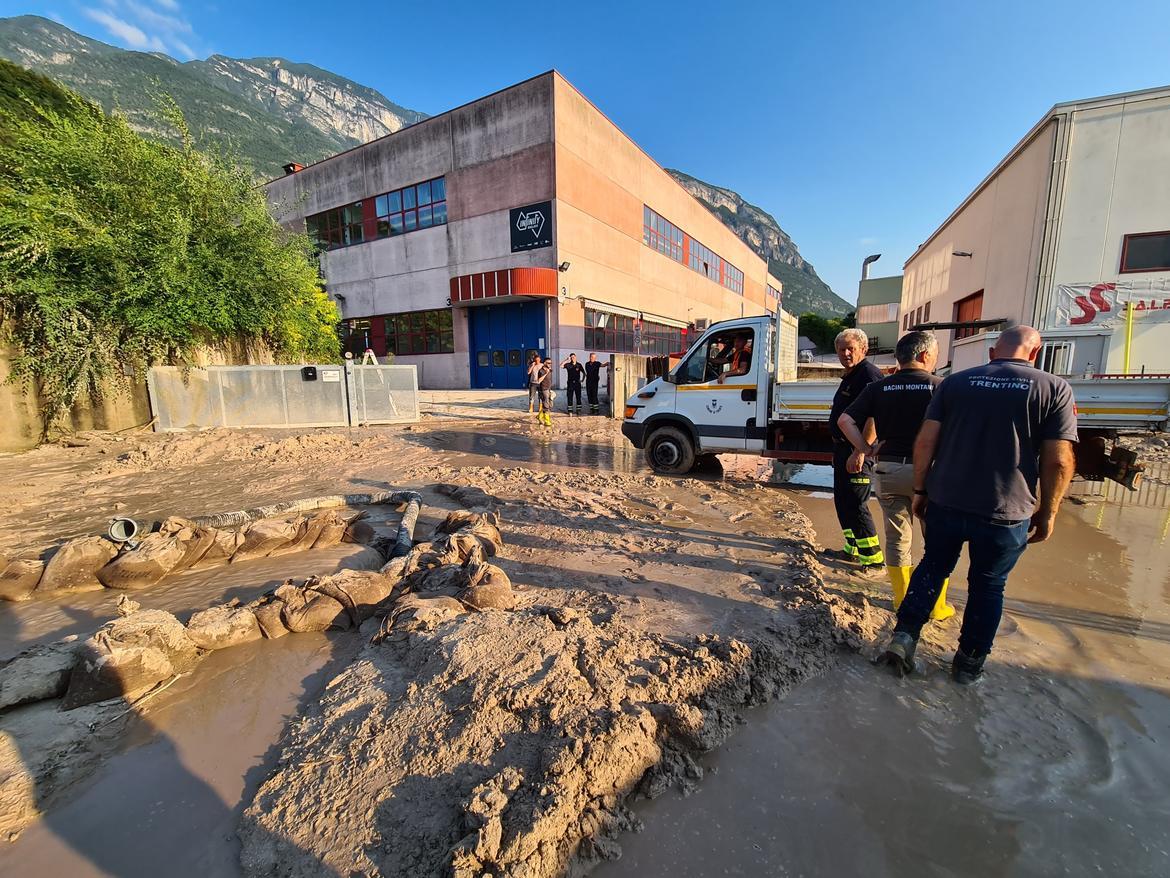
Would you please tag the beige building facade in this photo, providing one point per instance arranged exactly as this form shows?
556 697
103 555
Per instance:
547 231
1071 226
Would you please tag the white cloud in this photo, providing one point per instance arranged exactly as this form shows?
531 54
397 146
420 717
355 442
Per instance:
141 26
867 242
123 30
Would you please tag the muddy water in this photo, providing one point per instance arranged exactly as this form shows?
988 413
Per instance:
606 454
1055 765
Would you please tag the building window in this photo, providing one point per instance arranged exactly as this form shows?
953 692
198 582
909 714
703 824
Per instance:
338 227
1148 251
413 207
774 293
926 313
409 334
661 235
668 239
618 333
967 310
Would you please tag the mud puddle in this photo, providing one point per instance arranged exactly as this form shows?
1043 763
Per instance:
607 455
1054 765
169 802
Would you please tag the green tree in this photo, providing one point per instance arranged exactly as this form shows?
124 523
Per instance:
822 331
117 252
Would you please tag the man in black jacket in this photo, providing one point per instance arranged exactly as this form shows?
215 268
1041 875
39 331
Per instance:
851 478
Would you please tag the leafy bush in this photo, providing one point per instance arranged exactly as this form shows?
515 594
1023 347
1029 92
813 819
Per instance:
822 331
117 252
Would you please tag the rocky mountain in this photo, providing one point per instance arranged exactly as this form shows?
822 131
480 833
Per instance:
804 291
269 110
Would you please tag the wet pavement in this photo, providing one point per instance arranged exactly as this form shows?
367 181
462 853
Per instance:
1054 765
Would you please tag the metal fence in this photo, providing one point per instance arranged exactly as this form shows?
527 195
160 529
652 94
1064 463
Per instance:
282 396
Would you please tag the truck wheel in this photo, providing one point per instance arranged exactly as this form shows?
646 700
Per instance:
670 451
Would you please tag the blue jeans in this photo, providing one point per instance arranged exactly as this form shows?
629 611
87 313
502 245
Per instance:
993 548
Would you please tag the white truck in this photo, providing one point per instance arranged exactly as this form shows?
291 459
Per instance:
717 402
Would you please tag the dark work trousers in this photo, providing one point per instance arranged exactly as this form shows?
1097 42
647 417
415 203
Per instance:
574 394
993 548
591 392
851 497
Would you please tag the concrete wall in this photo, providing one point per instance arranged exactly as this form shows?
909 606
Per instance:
1002 226
1116 182
603 179
20 412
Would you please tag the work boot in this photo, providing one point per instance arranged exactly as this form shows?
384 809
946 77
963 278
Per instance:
966 670
942 610
899 653
899 582
868 571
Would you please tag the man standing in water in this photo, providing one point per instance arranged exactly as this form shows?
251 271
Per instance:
991 434
851 473
897 404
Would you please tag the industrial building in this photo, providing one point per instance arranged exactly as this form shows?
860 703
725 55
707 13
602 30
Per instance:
1067 231
524 221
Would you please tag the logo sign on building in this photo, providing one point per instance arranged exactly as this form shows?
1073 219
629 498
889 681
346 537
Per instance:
1103 304
531 226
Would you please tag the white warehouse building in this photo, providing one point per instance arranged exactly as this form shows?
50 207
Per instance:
1069 229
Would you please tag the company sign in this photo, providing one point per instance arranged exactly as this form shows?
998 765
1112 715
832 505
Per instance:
531 226
1103 304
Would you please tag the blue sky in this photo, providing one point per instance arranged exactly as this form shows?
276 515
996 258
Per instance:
860 126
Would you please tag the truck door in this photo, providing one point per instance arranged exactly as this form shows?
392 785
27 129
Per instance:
718 389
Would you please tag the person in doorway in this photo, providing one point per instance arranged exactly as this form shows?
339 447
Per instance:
545 382
534 366
851 473
991 435
592 380
896 406
573 383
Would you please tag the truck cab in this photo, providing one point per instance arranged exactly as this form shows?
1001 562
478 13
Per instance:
715 401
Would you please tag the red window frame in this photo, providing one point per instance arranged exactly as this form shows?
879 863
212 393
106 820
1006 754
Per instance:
359 222
965 304
1125 252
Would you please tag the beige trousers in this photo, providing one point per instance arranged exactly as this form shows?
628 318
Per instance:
894 486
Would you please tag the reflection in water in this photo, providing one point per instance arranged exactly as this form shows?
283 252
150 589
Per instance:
609 456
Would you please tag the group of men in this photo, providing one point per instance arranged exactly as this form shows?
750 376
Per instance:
981 458
540 382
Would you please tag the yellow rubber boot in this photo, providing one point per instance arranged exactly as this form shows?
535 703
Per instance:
942 610
900 581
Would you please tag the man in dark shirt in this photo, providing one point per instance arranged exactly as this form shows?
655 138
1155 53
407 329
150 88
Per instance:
897 404
573 383
592 379
851 480
990 435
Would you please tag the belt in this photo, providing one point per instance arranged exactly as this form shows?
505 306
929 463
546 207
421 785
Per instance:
889 458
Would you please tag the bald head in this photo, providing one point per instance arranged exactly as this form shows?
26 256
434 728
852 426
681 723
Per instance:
1017 343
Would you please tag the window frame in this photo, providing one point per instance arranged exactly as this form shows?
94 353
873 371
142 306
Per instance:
339 224
411 333
1125 252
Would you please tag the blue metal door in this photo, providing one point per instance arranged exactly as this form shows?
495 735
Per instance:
501 338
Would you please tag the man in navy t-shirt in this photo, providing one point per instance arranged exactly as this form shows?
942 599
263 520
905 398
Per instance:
993 435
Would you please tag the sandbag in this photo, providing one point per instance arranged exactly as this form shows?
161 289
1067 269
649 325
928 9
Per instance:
461 518
492 590
19 578
359 591
418 613
101 674
314 611
223 546
156 556
221 627
332 531
39 673
309 532
155 628
449 579
300 525
359 531
268 617
263 537
75 565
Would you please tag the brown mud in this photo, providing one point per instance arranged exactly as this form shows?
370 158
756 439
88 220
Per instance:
916 776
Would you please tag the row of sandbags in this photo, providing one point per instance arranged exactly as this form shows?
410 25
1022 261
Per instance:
437 579
89 563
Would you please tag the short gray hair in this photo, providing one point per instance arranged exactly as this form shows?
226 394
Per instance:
847 335
914 343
